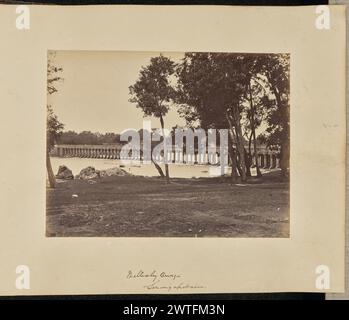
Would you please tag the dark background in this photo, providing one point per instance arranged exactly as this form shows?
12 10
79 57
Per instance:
177 2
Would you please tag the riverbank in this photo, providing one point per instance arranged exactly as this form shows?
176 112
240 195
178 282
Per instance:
134 168
136 206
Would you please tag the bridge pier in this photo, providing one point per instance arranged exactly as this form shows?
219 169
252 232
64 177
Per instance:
266 159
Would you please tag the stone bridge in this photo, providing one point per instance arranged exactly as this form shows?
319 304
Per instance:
266 158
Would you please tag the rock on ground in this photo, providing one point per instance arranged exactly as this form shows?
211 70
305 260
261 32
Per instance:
113 172
91 173
64 173
88 173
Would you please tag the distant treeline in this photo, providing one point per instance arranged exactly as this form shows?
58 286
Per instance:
88 137
96 138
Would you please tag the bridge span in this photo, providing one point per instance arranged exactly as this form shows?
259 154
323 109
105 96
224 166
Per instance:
266 158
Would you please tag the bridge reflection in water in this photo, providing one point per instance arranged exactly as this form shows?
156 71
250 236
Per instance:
266 158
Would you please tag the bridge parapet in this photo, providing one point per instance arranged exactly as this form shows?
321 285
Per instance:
266 158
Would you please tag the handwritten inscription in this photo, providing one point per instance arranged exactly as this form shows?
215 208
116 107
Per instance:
162 281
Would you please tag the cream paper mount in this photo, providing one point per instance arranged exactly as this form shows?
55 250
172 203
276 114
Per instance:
308 257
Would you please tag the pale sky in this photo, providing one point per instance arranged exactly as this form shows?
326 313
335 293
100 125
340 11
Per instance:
94 93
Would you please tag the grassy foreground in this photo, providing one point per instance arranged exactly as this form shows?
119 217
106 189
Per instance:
133 206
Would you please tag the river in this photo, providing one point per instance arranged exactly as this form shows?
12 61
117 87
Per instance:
176 170
148 170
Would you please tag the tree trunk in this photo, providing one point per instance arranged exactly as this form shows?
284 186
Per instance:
285 143
232 156
284 161
158 168
249 145
241 167
163 136
259 174
253 129
51 176
236 164
248 163
240 145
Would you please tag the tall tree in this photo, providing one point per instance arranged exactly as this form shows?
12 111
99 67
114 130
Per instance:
53 126
153 93
276 69
255 113
223 89
210 87
53 132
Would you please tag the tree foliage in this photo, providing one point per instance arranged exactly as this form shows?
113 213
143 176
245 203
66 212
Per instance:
54 128
153 92
237 91
88 137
